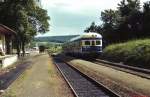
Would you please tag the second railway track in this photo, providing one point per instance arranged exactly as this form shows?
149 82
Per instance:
82 85
144 73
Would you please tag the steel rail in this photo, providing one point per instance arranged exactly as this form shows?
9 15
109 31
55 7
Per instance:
99 85
144 73
72 89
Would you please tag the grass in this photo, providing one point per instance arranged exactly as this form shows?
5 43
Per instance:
135 52
44 79
57 49
9 94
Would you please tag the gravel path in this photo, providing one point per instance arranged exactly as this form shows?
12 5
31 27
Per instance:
42 80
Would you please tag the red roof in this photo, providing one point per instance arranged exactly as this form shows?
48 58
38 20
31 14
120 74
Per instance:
6 30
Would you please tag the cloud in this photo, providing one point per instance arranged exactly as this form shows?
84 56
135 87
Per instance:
79 6
65 22
73 16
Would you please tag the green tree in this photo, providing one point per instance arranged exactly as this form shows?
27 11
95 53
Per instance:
122 24
92 28
130 20
109 25
25 18
146 19
127 7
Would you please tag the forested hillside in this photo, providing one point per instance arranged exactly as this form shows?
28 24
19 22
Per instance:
57 39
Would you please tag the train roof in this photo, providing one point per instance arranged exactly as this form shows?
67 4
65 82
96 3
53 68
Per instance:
87 35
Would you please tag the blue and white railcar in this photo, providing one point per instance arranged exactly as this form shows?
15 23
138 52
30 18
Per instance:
87 44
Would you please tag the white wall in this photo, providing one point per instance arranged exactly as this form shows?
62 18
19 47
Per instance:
2 43
9 61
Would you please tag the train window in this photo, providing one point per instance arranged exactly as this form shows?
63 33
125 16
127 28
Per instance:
87 42
98 42
93 43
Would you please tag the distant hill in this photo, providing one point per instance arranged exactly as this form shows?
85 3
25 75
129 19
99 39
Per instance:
57 39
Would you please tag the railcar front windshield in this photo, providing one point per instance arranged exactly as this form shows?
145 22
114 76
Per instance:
98 42
93 42
86 42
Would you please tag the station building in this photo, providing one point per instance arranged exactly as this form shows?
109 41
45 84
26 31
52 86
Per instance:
7 56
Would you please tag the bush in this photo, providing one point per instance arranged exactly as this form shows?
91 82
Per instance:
136 52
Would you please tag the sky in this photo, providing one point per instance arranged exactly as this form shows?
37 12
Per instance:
71 17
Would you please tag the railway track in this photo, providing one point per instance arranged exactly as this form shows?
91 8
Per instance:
80 84
144 73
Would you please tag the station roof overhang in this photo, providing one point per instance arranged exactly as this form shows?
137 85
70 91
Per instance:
6 30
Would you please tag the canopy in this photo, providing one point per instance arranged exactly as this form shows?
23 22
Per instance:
6 30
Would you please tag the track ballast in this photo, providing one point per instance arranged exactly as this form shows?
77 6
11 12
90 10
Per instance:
82 85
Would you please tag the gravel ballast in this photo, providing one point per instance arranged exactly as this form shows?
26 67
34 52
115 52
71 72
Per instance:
124 83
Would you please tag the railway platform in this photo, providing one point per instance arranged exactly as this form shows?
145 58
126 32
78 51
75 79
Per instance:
41 79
